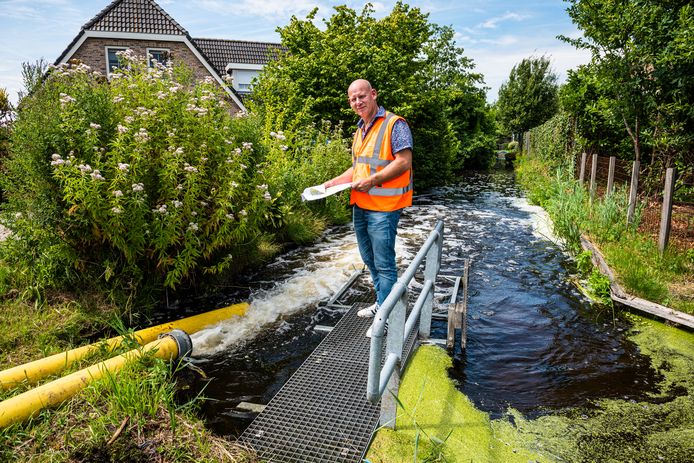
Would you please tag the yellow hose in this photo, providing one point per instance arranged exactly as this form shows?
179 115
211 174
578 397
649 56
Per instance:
38 369
27 404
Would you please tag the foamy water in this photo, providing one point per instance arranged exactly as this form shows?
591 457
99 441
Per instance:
539 220
317 277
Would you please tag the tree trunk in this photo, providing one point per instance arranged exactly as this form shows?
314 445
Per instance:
634 135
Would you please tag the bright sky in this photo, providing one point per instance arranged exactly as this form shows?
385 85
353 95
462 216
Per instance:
495 34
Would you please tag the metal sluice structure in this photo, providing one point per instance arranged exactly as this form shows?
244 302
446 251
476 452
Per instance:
330 408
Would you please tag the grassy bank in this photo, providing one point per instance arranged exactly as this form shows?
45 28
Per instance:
132 415
666 279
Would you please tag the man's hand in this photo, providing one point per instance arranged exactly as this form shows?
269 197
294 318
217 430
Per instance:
345 177
363 185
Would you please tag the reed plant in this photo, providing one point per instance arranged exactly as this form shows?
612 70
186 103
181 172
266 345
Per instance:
567 208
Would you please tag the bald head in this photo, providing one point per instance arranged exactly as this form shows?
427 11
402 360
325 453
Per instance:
362 99
360 84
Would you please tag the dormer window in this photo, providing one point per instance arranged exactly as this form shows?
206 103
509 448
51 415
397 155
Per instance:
242 75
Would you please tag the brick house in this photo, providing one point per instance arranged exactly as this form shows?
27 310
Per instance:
145 28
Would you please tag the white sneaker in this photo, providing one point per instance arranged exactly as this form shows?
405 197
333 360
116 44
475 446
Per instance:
368 312
368 332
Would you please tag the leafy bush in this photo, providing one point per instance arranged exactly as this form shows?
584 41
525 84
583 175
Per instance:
584 262
600 285
436 91
147 179
553 141
512 145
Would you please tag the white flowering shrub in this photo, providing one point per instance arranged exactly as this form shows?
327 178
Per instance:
303 158
146 179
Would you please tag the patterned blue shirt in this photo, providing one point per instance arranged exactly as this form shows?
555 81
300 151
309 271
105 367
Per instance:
400 137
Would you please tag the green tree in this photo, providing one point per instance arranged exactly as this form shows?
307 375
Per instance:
642 56
6 111
33 74
413 64
598 127
464 98
6 114
529 97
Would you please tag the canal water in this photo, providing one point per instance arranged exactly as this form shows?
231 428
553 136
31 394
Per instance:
534 342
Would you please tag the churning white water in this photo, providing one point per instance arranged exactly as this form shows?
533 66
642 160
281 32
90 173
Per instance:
316 277
540 221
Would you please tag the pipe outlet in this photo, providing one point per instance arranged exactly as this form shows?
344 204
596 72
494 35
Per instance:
183 342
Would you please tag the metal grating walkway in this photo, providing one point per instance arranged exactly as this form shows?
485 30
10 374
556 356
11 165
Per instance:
321 414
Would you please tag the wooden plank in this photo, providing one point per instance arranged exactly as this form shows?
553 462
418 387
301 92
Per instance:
463 330
593 177
599 261
582 172
250 407
450 338
462 317
610 175
657 310
666 213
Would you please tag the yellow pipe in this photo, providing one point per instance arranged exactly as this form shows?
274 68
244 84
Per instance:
29 403
38 369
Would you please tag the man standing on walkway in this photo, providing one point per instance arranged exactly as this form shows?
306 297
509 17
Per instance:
381 177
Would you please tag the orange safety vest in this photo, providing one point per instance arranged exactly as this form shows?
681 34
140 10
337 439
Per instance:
371 155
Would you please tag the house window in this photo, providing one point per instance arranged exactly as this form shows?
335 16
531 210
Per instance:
243 79
160 55
112 61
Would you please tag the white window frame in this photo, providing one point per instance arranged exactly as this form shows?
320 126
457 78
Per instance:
165 50
106 49
234 67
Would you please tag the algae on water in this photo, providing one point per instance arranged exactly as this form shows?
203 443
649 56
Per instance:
439 423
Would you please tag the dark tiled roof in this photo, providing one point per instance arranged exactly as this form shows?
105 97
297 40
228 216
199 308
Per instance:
146 17
140 16
222 52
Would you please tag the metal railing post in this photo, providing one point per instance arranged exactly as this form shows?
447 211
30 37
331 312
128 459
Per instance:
433 263
384 375
394 345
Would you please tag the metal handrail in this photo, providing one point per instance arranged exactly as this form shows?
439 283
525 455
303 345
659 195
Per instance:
394 309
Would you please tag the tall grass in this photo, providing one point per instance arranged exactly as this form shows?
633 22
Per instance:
640 267
130 415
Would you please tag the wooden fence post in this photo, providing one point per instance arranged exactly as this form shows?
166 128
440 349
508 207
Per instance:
593 177
610 176
632 191
582 171
666 214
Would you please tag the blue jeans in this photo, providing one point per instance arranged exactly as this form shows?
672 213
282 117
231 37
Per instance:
376 233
